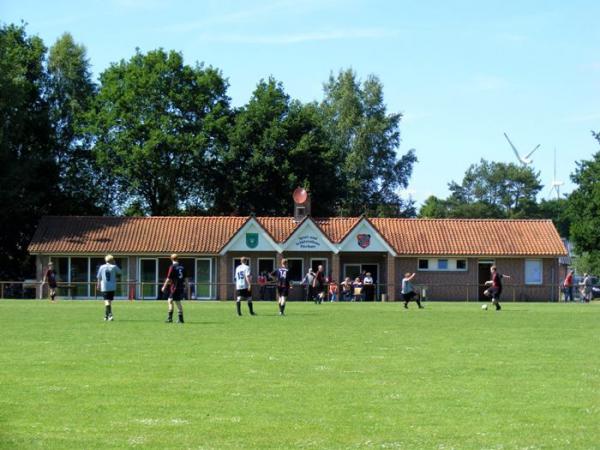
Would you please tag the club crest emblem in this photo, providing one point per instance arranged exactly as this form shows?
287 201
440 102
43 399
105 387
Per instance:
252 240
364 240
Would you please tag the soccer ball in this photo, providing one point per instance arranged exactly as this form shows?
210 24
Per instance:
484 307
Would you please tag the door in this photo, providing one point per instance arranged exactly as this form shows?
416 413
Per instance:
483 276
373 269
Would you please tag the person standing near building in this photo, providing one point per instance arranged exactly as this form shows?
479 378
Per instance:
282 279
107 284
308 281
369 287
50 278
408 290
175 285
243 285
568 286
495 287
586 288
319 285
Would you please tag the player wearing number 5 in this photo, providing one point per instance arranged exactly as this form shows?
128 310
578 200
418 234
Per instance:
175 286
107 284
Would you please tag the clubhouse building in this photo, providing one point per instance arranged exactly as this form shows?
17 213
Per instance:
451 257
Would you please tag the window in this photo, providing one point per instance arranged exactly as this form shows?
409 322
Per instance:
296 269
203 287
80 277
266 265
442 264
533 271
461 264
423 264
351 271
316 262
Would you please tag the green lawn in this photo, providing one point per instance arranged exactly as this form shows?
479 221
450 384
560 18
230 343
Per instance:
328 376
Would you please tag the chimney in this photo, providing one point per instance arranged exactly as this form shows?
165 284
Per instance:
301 204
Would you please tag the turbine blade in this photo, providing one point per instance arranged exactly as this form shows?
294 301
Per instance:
531 152
513 147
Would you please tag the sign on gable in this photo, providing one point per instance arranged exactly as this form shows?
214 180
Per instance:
308 237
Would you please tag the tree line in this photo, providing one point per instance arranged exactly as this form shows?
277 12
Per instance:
156 136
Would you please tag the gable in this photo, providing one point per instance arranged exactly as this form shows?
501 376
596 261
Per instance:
308 237
364 238
252 237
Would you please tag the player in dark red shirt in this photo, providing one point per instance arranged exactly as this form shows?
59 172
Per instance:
319 285
495 287
50 278
175 286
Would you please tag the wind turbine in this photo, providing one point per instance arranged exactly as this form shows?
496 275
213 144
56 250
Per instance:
525 160
555 186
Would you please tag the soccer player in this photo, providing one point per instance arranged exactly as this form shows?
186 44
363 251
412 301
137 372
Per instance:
107 284
408 290
175 285
50 278
283 285
319 285
495 288
243 284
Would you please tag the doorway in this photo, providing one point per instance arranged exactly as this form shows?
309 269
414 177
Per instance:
483 275
355 270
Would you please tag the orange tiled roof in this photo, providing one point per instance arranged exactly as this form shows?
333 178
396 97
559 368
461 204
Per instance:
198 235
471 236
133 234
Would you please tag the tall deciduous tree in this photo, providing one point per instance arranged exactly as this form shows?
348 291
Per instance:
365 139
27 168
70 94
489 190
275 145
584 207
156 126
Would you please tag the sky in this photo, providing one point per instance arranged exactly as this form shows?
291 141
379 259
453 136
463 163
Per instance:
461 72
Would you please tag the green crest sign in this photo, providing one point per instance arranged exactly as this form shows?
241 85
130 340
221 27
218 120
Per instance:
252 240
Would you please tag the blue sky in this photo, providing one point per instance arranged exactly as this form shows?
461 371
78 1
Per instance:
461 72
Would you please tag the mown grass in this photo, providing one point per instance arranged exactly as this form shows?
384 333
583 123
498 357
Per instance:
328 376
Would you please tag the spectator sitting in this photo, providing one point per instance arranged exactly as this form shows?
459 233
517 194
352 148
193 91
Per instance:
357 288
333 290
347 290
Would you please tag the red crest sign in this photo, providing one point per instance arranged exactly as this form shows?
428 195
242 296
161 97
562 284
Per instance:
364 240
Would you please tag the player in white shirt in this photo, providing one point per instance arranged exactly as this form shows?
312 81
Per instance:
107 284
243 284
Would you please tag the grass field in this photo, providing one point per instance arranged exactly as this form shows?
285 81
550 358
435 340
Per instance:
328 376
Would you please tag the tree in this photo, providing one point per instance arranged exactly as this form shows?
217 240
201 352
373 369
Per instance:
584 207
70 94
365 140
490 190
556 210
155 127
27 168
275 145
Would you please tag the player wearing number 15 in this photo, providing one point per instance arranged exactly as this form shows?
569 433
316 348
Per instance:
175 285
107 283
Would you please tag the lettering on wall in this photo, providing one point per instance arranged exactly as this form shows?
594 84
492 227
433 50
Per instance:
307 242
